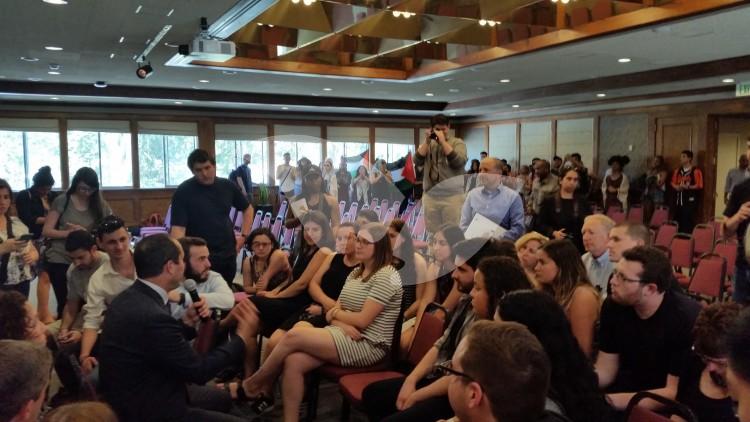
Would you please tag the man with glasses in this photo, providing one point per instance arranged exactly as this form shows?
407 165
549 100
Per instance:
500 372
112 277
443 158
646 328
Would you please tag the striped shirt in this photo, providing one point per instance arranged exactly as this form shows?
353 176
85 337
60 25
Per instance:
383 287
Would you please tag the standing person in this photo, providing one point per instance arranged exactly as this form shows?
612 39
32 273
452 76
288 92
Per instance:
544 185
483 155
33 203
344 179
200 208
303 166
470 179
82 207
734 177
444 159
557 163
146 359
688 182
380 181
16 254
656 186
243 178
315 199
285 174
616 185
330 184
584 180
361 186
737 215
561 216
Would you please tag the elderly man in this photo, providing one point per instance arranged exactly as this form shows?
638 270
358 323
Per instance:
494 201
595 233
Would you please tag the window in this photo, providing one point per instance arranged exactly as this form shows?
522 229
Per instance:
28 145
298 141
346 142
392 144
105 147
163 148
234 141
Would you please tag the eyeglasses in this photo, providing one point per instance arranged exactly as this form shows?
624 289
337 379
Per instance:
364 242
84 189
110 224
619 276
446 368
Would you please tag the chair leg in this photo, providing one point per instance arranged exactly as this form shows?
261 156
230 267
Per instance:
313 390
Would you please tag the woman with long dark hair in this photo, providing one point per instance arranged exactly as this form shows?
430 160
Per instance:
574 386
315 199
268 266
361 186
560 272
33 203
360 331
470 181
82 207
16 254
410 265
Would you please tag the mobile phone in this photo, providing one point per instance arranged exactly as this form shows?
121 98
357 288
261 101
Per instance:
26 237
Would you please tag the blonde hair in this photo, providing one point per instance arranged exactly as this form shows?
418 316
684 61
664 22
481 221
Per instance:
602 219
88 411
528 237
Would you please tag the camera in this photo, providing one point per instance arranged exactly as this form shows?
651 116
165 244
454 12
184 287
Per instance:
433 136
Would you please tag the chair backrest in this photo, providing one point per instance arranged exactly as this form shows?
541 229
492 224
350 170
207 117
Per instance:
373 203
636 413
389 216
618 216
353 211
420 228
168 217
665 233
383 208
396 206
708 277
149 231
276 228
703 239
287 236
346 218
728 250
283 209
659 217
257 220
718 226
635 214
681 251
266 221
429 330
342 205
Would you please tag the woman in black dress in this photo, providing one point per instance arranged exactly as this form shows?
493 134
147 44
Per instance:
561 215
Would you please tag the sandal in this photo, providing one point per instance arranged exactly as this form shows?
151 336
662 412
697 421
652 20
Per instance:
262 404
239 392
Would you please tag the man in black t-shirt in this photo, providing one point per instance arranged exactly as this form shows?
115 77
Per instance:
737 216
200 208
645 328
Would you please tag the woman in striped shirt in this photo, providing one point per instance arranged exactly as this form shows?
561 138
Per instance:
360 331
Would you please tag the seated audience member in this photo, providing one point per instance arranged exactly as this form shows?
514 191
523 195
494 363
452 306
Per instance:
86 259
528 247
146 359
645 328
87 411
494 201
574 389
105 284
596 259
16 255
626 236
411 267
270 308
25 369
211 287
414 397
360 331
366 216
19 321
738 370
268 266
703 383
561 215
560 272
498 373
316 199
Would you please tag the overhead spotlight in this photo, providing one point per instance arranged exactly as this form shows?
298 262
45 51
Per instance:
144 71
396 13
483 22
100 84
295 1
492 23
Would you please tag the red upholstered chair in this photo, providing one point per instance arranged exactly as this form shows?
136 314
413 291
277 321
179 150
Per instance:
703 240
728 250
637 413
635 214
430 329
681 256
707 281
618 216
664 234
659 217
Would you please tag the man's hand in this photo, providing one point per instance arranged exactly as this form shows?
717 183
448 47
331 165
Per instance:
440 135
69 336
88 363
743 213
202 308
407 389
559 234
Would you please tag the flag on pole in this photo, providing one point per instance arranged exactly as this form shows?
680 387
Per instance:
403 173
353 163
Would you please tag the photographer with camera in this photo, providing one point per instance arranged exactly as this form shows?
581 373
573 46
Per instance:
444 159
561 215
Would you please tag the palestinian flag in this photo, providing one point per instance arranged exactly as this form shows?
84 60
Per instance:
353 163
403 173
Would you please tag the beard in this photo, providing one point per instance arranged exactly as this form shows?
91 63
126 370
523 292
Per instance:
466 289
192 275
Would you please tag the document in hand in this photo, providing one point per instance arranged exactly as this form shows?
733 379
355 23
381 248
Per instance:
482 226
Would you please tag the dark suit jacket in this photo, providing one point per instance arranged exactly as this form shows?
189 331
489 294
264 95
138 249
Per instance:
146 361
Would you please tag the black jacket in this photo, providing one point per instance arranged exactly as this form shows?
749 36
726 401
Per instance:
146 361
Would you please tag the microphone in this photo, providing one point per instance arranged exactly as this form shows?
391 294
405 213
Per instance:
192 287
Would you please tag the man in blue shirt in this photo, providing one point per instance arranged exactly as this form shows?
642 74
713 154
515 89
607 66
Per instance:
496 202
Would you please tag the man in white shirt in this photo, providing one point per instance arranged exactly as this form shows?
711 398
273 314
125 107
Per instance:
595 233
285 175
212 289
106 283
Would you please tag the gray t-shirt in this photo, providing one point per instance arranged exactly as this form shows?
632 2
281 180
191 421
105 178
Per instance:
78 280
56 252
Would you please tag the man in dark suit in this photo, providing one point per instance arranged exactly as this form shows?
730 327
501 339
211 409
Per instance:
146 360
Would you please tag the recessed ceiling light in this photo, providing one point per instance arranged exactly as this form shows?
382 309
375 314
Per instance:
315 95
285 108
328 89
56 2
270 26
429 94
447 79
100 84
516 106
204 81
229 72
29 59
138 9
54 98
728 81
624 60
454 90
260 23
34 79
148 41
53 72
111 55
172 45
504 81
170 13
52 48
367 82
178 102
122 39
601 95
376 111
453 114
